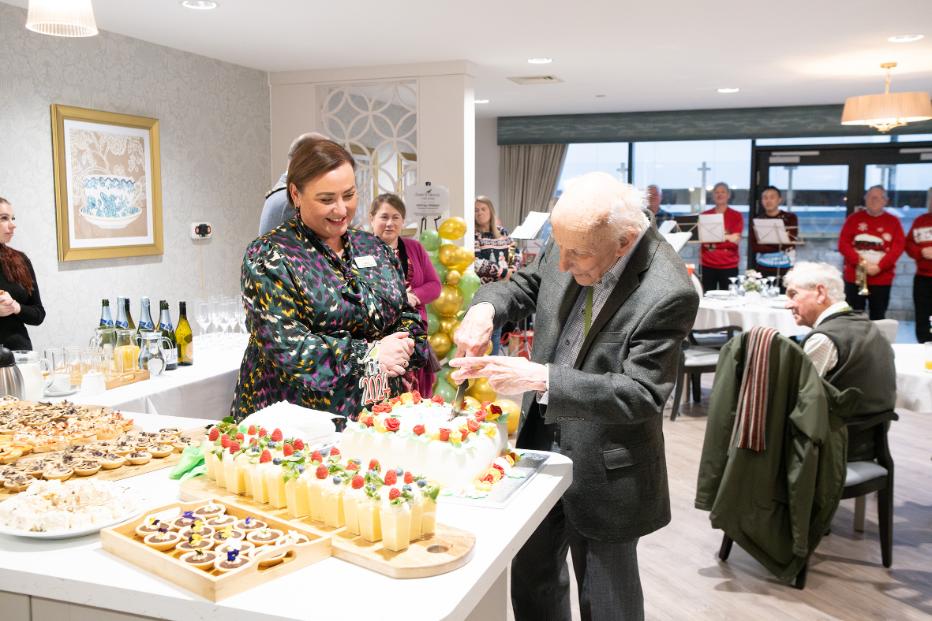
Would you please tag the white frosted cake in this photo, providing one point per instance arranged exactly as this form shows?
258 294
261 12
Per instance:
423 436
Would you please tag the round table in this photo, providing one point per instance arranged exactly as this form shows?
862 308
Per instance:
747 312
913 381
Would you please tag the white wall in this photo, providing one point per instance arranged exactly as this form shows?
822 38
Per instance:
214 120
445 130
487 161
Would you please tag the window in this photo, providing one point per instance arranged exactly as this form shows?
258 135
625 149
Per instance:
582 158
777 142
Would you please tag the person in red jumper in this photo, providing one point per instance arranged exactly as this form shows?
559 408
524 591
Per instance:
873 239
720 260
919 247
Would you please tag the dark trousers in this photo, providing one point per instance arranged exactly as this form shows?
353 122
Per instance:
922 300
606 575
713 278
877 301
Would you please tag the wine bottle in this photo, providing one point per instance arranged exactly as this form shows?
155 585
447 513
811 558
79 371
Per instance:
106 319
168 331
129 316
121 321
145 319
184 337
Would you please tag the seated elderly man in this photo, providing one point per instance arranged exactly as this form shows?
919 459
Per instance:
613 303
845 346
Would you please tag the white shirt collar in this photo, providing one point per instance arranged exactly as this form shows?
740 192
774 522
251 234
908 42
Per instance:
837 307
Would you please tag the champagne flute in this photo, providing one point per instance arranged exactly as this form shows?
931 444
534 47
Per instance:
202 316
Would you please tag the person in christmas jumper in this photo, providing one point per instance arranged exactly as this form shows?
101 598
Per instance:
720 260
873 239
919 247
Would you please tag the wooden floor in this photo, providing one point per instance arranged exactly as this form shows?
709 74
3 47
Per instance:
683 578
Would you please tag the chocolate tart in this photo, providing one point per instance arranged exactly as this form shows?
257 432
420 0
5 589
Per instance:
221 520
162 541
244 547
112 461
160 451
87 468
224 565
138 458
264 536
210 510
249 524
202 559
149 525
58 472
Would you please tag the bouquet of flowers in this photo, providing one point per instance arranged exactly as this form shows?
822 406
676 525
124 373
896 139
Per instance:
753 281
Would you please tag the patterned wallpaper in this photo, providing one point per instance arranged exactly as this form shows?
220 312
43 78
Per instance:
215 135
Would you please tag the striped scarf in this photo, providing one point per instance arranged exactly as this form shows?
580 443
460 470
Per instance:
752 397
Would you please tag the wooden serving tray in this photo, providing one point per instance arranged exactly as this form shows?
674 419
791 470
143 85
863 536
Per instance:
122 541
124 379
448 549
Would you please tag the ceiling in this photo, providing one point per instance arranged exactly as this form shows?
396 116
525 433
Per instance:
660 55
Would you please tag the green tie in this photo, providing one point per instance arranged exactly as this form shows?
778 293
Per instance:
587 313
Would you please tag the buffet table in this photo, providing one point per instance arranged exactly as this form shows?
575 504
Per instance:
70 579
203 390
913 381
747 313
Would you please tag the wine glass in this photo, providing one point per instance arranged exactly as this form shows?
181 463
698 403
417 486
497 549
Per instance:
733 288
202 315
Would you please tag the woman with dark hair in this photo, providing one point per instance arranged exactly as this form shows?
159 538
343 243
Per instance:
20 304
326 307
387 218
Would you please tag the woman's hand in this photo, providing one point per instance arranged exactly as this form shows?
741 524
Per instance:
8 306
733 237
394 353
413 300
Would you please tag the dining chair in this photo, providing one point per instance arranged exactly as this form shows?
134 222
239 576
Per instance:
699 355
887 327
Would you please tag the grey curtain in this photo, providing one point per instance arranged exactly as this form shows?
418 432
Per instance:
529 175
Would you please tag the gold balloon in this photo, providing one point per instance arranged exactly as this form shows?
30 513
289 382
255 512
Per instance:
448 324
513 410
450 380
471 404
449 302
465 256
453 277
480 390
449 255
440 343
452 228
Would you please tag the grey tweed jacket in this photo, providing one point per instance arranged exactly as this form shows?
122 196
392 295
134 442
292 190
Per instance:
609 404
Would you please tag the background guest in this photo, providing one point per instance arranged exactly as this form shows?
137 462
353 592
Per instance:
387 218
774 259
277 209
873 239
320 296
654 196
20 304
720 260
496 253
919 247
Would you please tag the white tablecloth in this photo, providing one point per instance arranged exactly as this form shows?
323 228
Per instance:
716 313
202 390
913 382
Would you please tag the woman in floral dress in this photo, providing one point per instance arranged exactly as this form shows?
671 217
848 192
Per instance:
324 302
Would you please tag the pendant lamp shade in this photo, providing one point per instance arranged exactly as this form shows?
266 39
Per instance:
887 110
62 18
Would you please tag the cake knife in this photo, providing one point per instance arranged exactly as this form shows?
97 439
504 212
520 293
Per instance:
459 398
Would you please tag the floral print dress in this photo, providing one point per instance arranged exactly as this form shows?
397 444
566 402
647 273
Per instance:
312 316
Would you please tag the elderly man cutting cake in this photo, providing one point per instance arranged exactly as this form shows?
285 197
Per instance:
612 303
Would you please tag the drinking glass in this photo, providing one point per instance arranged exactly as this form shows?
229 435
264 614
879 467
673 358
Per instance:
733 288
202 315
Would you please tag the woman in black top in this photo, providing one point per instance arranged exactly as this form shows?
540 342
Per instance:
19 293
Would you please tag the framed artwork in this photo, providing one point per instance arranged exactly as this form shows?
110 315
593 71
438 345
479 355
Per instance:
108 188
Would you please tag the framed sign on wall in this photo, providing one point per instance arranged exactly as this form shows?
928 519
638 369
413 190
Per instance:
108 189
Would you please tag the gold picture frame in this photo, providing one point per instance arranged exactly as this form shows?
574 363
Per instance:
108 184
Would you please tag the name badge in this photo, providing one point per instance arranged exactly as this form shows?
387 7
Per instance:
366 261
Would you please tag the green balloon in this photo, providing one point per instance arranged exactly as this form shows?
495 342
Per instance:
433 324
468 285
441 269
430 240
444 389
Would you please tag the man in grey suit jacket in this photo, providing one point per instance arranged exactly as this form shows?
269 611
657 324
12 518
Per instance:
276 210
613 303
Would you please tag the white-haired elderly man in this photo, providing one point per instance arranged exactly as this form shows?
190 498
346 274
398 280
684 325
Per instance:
276 210
612 303
845 346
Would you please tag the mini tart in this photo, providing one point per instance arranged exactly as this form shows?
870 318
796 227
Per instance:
210 510
206 532
58 472
221 520
264 536
299 538
181 522
36 467
87 468
161 450
180 444
271 558
122 449
17 483
244 547
139 458
252 525
220 535
112 461
162 541
149 525
186 546
222 564
202 559
169 432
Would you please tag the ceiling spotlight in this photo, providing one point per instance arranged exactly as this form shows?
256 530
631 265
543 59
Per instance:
199 5
905 38
727 90
540 61
481 101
